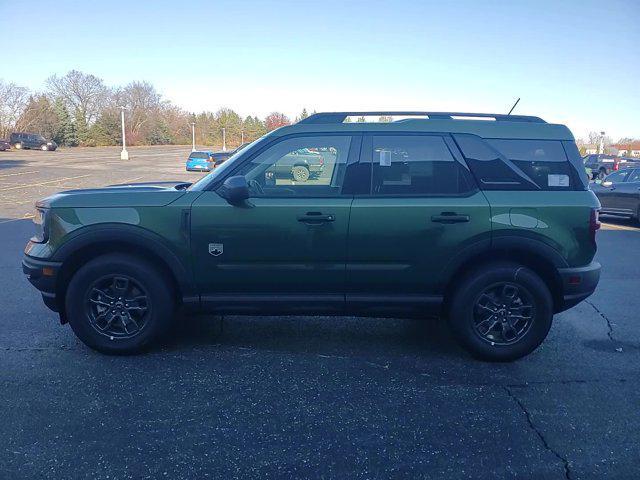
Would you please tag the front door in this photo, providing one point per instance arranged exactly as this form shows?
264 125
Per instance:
422 211
628 193
608 190
285 250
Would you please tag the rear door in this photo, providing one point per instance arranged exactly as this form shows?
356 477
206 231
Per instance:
422 211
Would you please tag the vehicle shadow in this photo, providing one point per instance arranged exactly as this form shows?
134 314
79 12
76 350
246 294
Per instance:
330 336
8 163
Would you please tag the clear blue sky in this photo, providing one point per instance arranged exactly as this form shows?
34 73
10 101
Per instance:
574 62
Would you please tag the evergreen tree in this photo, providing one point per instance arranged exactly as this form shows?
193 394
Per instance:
66 131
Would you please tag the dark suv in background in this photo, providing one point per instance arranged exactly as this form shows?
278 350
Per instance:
31 141
602 165
488 224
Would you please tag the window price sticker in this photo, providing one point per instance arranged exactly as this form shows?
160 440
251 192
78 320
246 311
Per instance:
555 180
385 158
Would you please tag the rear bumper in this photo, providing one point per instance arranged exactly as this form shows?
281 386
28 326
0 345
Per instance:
42 274
199 168
578 284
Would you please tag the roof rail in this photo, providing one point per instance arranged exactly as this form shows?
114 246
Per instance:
339 117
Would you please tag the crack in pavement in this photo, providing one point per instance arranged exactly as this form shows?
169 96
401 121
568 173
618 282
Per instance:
606 319
565 462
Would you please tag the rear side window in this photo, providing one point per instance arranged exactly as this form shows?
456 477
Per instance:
416 165
515 164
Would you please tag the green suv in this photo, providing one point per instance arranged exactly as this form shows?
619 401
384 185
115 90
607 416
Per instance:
484 220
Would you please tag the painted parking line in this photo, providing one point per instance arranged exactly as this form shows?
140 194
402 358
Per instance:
58 180
18 173
613 226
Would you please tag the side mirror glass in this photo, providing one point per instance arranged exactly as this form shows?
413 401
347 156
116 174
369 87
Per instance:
235 190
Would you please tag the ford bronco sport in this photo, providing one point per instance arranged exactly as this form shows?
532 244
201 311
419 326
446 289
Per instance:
484 220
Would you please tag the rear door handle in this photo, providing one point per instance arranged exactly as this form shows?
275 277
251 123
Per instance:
449 217
316 218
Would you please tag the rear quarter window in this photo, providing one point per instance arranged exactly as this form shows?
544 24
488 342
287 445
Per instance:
514 164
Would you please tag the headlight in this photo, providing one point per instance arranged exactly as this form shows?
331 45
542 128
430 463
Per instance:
40 222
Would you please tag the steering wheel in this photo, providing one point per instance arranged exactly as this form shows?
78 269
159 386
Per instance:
255 185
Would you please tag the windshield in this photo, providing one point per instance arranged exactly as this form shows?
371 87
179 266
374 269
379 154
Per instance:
204 181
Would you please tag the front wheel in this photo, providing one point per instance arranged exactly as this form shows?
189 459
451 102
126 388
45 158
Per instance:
44 148
17 146
501 312
119 304
300 173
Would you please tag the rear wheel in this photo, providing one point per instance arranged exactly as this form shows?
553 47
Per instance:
300 173
18 146
44 148
119 304
501 312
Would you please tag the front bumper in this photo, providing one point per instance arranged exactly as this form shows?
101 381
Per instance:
578 284
42 274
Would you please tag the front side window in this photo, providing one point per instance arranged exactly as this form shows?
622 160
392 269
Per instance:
307 166
617 177
416 165
634 177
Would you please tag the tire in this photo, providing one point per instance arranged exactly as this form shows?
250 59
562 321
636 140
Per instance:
18 146
602 174
477 299
300 173
93 295
44 148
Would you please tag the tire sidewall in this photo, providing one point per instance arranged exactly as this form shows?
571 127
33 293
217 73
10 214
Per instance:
154 282
462 311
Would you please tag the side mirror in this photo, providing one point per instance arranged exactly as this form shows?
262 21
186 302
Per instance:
235 190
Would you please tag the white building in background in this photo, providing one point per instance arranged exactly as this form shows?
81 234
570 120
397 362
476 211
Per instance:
631 149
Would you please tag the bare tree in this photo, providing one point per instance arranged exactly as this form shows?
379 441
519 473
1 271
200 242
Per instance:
13 101
84 94
144 104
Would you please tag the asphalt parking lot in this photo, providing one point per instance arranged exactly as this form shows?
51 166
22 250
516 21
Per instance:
306 397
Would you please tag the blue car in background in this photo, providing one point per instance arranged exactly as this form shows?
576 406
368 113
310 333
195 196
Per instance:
200 162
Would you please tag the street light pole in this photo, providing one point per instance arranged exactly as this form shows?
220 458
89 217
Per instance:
124 155
224 139
193 136
241 137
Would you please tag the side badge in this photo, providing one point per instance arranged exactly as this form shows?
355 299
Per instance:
216 249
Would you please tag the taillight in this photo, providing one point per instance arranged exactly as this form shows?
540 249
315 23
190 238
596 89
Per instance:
616 166
594 224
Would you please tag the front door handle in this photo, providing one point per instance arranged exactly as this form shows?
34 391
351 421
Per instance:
316 218
449 217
